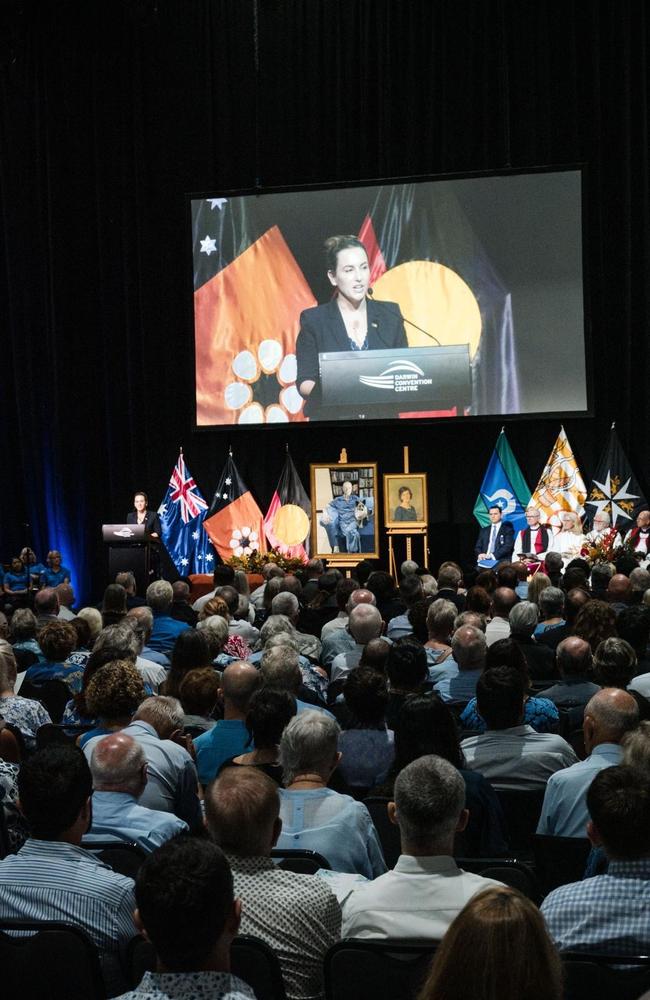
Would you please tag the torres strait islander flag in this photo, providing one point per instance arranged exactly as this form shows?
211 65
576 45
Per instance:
287 520
234 522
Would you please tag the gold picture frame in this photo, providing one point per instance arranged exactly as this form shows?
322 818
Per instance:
414 510
344 526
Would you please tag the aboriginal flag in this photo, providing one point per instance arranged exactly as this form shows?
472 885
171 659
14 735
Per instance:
234 521
288 518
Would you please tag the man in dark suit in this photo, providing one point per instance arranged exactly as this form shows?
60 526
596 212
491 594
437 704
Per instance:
497 539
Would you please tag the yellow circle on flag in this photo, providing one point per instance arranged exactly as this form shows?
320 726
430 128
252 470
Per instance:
291 524
435 298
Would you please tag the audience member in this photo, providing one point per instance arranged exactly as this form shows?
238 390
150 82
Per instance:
575 688
287 604
126 579
269 570
181 608
190 652
469 649
523 622
420 897
411 592
608 717
609 912
619 592
314 817
450 578
22 634
503 601
365 623
280 667
46 606
23 713
407 673
143 616
388 601
119 769
366 744
498 945
441 615
67 598
57 640
297 915
596 621
539 582
335 636
269 712
112 698
511 754
186 908
215 629
552 627
222 576
113 607
601 574
614 663
633 625
199 696
165 628
229 736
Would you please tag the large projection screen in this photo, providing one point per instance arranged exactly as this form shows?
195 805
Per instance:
456 298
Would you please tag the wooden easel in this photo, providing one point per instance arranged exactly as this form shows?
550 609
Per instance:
408 531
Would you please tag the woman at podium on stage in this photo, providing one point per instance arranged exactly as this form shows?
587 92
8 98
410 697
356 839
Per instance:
351 321
142 515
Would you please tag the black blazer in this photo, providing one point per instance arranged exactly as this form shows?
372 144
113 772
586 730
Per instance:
505 541
151 521
322 329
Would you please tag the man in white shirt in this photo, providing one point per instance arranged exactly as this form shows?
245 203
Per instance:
510 754
365 623
426 890
503 601
609 715
534 539
601 528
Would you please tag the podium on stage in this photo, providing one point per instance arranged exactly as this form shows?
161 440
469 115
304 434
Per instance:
130 549
385 383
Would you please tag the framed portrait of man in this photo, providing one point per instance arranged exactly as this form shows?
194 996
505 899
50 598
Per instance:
344 511
405 500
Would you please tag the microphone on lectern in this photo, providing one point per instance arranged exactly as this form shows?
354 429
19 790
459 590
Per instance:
371 295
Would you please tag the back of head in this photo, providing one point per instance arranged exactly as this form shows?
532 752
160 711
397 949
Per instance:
362 571
375 655
595 621
633 625
269 712
119 640
117 763
238 682
8 666
429 798
523 619
417 617
501 930
636 748
314 567
575 600
449 576
280 668
242 807
440 618
53 786
344 590
611 713
94 619
619 588
553 561
65 594
230 596
426 726
162 712
184 894
191 650
551 602
614 663
381 585
114 599
507 576
291 584
411 590
159 596
57 640
472 618
500 697
46 601
181 592
618 801
309 745
469 647
639 580
479 600
215 606
223 576
360 596
114 692
126 580
538 583
408 568
285 603
507 653
365 623
215 629
407 666
366 695
601 574
23 625
273 625
199 691
144 618
573 657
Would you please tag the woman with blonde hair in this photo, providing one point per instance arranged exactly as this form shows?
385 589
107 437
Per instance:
512 955
538 583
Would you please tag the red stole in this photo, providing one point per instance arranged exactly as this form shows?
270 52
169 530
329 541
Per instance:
540 541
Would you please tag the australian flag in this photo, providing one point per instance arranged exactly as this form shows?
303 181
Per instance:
181 518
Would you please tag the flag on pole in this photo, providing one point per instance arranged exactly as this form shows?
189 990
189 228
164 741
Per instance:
503 486
614 488
234 521
181 515
287 520
561 486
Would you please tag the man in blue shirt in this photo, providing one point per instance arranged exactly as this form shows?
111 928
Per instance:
52 877
165 628
119 769
229 737
610 912
468 649
608 716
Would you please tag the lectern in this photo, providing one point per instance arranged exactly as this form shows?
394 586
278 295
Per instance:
130 549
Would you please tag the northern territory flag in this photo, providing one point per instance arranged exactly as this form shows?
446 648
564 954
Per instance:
234 521
248 295
614 488
425 255
288 518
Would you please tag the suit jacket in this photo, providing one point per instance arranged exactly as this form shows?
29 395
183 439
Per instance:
505 541
322 329
151 521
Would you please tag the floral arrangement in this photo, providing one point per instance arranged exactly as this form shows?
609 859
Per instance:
606 550
252 561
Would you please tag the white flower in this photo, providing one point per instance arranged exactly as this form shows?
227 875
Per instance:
247 369
244 541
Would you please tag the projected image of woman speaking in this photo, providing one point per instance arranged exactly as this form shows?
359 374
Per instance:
349 322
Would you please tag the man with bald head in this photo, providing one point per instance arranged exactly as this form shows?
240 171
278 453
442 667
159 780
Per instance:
229 737
181 608
619 592
609 715
119 768
469 649
639 536
364 623
574 689
335 636
503 601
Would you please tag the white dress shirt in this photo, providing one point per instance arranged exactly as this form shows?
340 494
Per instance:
517 757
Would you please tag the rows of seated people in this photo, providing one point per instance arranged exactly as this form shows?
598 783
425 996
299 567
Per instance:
385 728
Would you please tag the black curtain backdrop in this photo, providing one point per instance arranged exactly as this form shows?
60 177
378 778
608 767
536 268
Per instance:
110 112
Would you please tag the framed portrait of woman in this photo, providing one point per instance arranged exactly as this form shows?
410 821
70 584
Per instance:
405 500
344 511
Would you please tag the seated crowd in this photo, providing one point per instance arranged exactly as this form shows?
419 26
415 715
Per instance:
385 728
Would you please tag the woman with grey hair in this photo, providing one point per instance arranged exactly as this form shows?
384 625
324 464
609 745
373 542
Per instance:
314 817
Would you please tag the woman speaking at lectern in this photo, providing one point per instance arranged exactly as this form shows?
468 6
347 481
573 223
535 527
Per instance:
349 322
142 515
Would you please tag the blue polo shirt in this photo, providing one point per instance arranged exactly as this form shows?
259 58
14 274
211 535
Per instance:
165 632
228 738
16 581
50 578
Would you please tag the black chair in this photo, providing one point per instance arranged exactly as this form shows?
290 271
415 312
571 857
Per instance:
257 964
302 862
124 858
388 833
559 860
55 962
53 694
53 732
367 970
521 810
607 977
511 872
